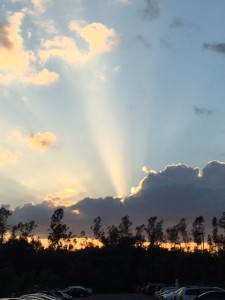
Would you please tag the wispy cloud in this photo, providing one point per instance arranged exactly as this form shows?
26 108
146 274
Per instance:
40 5
151 10
217 47
202 111
7 156
177 23
143 41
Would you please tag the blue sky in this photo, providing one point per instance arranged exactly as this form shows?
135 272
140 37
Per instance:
95 94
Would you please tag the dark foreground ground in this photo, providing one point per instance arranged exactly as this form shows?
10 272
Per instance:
120 297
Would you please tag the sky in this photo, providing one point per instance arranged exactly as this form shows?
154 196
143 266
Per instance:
111 108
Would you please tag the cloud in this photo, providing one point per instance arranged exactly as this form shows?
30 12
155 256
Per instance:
29 67
202 111
4 39
217 47
44 77
99 39
39 141
177 23
63 198
176 192
7 156
39 5
182 24
16 63
151 10
42 141
40 213
143 41
13 58
49 26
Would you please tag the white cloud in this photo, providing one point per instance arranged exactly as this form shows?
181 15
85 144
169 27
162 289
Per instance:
99 39
42 141
17 63
39 5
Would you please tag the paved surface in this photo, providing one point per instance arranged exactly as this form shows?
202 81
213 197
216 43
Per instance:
119 297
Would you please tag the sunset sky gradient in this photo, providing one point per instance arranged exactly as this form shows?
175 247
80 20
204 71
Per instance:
110 100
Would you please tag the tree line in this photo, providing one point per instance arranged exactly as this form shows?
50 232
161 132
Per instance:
124 257
144 235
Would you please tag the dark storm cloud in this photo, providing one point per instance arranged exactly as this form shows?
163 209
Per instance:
4 39
151 10
179 191
202 111
176 192
217 47
40 213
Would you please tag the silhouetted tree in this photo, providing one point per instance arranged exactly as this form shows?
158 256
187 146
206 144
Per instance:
24 230
154 230
58 232
113 236
126 236
198 230
98 231
125 227
221 224
139 235
178 233
4 227
172 234
215 240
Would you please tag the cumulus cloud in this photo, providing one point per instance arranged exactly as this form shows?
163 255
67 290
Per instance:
99 39
176 192
217 47
39 141
16 63
151 10
42 141
13 57
40 213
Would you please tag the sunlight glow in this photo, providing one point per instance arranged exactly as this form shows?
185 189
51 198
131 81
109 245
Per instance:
107 135
145 169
